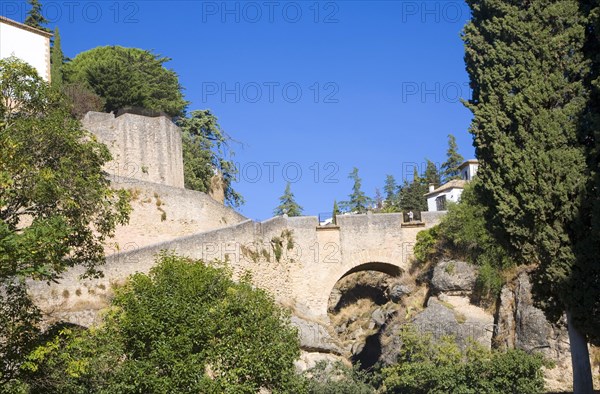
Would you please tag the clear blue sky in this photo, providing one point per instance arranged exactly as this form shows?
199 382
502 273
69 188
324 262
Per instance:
319 87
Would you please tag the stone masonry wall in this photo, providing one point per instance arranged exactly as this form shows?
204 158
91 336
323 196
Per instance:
294 259
142 147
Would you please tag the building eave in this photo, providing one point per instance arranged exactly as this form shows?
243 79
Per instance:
25 27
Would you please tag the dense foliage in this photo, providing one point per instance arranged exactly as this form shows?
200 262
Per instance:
528 67
463 234
287 204
185 327
427 366
206 156
56 206
128 77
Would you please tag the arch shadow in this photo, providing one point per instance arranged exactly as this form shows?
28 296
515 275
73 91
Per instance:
386 268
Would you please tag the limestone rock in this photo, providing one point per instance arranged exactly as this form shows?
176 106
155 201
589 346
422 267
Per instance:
308 360
523 326
314 337
399 290
452 276
455 316
378 317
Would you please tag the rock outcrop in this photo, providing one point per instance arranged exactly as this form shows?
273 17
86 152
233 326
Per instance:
453 276
520 325
314 337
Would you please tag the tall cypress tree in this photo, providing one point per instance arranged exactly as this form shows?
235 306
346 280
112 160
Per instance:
35 18
526 66
288 204
453 160
56 60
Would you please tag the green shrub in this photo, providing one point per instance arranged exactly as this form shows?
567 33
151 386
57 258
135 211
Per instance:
337 379
425 247
428 366
185 327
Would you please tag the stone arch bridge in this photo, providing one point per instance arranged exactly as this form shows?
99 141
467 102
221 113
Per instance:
295 259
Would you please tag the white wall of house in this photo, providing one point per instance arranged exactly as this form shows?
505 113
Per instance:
469 171
452 195
29 46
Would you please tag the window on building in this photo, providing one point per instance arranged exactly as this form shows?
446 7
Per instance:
440 203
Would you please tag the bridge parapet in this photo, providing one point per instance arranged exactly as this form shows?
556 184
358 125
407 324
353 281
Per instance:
294 259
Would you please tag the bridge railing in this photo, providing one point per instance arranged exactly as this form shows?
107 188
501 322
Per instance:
326 219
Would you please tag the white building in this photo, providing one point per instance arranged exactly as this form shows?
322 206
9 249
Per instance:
26 43
437 199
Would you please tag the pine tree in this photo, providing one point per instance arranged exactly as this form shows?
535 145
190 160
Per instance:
432 175
453 160
526 66
288 205
35 18
359 202
56 59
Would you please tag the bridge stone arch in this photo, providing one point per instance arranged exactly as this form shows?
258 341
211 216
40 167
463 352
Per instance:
302 275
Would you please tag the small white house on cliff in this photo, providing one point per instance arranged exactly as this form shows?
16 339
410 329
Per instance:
26 43
451 191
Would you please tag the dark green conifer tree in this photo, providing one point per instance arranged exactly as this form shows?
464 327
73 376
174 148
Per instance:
526 64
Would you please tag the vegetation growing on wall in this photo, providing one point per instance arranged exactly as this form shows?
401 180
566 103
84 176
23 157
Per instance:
206 155
185 327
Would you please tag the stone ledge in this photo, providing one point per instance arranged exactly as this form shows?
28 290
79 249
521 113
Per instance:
413 224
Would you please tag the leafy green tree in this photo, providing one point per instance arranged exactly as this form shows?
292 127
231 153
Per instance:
453 161
56 62
185 327
359 202
206 154
432 175
287 204
56 206
412 195
35 18
527 69
128 77
19 319
441 366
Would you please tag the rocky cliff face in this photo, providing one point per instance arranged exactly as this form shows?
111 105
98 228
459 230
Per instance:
368 309
520 325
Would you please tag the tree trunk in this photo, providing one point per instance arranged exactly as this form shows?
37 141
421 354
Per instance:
580 359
